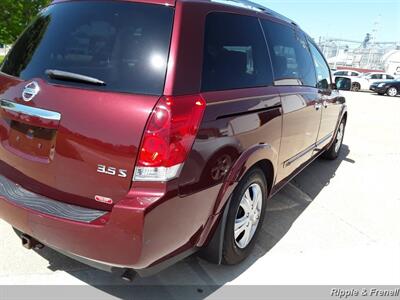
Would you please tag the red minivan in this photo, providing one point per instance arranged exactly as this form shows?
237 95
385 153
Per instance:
135 133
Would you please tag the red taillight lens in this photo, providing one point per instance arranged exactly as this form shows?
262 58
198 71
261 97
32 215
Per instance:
168 138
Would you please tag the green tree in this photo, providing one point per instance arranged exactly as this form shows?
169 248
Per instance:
15 15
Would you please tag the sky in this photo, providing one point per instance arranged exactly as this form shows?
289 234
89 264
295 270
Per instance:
351 19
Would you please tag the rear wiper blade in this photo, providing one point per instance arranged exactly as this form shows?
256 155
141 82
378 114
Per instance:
68 76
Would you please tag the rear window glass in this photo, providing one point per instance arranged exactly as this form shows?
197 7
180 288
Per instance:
126 45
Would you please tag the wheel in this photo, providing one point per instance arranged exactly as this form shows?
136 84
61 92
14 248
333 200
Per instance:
334 150
355 87
392 91
245 217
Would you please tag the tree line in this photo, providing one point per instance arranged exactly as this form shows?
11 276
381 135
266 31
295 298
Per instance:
15 16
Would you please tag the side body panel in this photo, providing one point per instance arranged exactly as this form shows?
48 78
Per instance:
301 121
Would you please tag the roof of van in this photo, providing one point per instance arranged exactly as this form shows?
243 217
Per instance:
163 2
245 4
250 5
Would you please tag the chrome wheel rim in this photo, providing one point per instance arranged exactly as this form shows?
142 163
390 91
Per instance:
248 215
392 92
339 137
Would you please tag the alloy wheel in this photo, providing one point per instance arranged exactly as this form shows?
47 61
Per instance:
248 215
356 87
392 92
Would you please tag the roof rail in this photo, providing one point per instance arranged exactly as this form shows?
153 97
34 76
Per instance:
255 6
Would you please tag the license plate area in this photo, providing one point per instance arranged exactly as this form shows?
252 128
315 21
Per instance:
36 142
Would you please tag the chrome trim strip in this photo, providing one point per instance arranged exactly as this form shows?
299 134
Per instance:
298 156
264 98
249 112
321 141
30 111
309 149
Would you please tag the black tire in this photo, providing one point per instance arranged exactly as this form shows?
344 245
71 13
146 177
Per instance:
355 87
333 151
392 91
232 254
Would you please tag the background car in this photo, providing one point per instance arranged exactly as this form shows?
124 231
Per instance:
390 88
346 73
364 82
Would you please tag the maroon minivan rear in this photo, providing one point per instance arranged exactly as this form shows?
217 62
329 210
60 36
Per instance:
80 93
76 138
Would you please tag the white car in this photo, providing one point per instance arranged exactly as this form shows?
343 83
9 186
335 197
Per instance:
346 73
364 82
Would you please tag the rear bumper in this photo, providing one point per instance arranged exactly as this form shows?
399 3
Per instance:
140 232
110 244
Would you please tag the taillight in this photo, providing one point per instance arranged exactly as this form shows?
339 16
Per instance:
169 137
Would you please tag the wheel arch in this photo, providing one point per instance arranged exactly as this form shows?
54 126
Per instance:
268 169
260 156
263 156
342 116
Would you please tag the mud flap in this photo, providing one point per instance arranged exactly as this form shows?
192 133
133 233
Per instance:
213 251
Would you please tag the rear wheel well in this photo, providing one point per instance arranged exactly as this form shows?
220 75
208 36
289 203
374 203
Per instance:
212 251
268 169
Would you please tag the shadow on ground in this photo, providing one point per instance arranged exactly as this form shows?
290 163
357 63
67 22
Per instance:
194 278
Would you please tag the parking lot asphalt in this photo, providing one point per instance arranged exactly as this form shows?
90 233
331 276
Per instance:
336 223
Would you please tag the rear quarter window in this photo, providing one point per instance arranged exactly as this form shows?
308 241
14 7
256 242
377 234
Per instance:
123 44
235 53
290 55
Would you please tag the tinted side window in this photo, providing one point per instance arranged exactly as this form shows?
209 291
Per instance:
354 74
322 69
340 73
389 77
376 76
290 55
235 53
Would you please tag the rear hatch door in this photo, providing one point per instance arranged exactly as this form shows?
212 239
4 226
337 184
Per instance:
74 139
